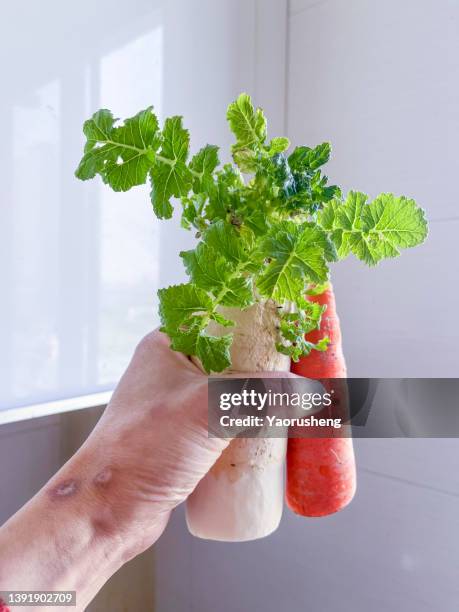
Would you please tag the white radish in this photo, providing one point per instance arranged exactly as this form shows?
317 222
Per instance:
241 498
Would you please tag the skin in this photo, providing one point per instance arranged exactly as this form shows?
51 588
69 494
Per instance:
113 499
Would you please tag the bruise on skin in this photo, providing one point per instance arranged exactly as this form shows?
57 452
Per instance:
102 526
64 490
104 477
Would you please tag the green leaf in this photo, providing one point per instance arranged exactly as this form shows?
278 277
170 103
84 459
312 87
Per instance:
306 158
398 220
245 158
314 289
206 267
374 231
278 145
221 320
296 255
170 176
183 341
185 311
192 213
239 293
225 239
121 155
248 125
257 222
294 328
225 193
270 235
203 164
182 304
212 351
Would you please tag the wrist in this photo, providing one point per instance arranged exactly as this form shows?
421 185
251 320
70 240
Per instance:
84 528
99 477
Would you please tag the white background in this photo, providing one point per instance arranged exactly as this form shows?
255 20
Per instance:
81 265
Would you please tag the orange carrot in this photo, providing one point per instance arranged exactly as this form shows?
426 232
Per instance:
321 475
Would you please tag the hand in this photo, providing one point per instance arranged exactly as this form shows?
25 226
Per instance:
113 498
151 443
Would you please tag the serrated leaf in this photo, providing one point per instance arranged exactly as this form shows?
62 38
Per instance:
221 320
296 255
210 270
206 267
192 211
305 158
212 351
182 308
374 231
294 328
238 293
397 219
183 341
245 158
203 164
226 240
247 124
181 304
170 176
257 222
224 192
315 289
121 155
176 139
278 145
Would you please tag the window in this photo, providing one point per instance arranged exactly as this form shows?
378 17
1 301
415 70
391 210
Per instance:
81 262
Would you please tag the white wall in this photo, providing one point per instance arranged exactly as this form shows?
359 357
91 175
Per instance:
379 81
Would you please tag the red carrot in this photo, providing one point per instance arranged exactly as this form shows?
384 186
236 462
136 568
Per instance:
321 475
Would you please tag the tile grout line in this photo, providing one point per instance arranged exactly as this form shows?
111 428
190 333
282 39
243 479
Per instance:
287 69
409 482
454 218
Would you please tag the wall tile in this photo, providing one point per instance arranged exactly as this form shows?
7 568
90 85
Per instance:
398 318
391 549
376 79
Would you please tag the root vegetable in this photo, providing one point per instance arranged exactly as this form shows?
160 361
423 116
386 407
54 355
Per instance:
321 475
241 498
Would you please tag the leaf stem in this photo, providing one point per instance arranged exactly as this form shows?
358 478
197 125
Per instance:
160 158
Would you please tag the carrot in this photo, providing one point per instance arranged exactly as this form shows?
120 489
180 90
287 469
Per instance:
321 476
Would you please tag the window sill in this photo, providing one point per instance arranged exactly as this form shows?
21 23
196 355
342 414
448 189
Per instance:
34 411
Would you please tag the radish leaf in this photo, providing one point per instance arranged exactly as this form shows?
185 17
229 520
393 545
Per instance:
295 326
270 233
296 256
121 155
182 305
374 231
203 164
170 176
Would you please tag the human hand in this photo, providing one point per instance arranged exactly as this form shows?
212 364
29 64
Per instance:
151 446
113 498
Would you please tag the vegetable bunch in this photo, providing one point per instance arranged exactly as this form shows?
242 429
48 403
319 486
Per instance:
268 225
